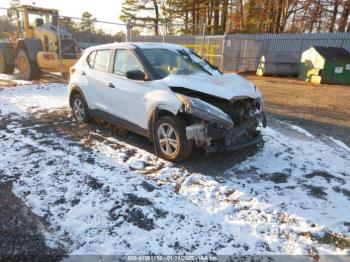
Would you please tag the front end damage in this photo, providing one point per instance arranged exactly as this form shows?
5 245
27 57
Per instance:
218 124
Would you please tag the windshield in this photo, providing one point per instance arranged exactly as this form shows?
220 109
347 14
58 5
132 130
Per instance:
170 62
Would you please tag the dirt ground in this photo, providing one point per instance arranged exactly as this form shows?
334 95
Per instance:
321 109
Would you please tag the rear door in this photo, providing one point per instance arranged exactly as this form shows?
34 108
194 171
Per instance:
99 78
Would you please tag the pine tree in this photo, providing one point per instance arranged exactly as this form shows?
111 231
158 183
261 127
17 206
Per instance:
68 23
87 24
150 9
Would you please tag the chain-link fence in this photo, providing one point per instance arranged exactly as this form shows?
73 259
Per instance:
246 52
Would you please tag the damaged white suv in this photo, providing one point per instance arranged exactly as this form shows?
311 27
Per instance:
169 94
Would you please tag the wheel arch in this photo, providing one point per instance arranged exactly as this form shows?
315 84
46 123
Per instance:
155 114
76 90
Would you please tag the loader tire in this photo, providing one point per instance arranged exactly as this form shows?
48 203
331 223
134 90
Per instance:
5 68
28 70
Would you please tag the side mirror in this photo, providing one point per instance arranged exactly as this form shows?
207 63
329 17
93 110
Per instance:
135 74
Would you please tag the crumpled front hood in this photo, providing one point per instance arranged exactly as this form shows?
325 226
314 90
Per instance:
225 86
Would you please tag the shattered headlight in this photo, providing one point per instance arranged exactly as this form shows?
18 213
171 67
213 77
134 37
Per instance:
205 111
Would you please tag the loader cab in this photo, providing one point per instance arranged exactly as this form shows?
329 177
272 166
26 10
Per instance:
30 17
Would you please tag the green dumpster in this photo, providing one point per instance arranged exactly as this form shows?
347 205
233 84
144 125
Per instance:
325 65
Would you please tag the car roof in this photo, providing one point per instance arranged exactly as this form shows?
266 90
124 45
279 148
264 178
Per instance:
142 45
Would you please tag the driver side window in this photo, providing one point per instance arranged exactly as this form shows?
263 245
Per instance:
124 61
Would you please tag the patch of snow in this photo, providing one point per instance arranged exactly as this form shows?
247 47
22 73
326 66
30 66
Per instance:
136 163
13 79
301 130
340 143
22 99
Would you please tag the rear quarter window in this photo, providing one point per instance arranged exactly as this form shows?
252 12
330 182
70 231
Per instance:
91 59
99 59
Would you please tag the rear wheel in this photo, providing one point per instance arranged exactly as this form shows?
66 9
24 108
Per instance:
28 69
170 139
5 68
80 109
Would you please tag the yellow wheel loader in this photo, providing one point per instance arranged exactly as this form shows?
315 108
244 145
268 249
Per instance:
39 44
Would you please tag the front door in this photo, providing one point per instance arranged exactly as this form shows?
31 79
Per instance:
130 104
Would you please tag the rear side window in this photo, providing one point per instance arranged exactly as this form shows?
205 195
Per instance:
99 60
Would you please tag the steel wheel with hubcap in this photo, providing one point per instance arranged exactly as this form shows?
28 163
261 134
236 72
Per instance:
170 139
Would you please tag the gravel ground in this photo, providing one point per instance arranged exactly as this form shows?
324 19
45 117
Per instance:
21 230
320 109
90 189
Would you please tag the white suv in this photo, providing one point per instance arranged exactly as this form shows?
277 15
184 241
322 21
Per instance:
168 94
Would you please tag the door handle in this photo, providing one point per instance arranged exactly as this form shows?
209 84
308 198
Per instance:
110 85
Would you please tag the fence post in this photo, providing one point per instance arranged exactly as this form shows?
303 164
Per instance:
223 53
300 48
244 54
203 38
58 28
128 30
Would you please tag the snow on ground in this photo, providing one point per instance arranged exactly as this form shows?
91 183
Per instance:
301 130
102 195
21 99
340 143
13 79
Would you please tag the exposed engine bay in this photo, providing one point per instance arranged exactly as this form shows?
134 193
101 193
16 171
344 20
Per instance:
220 124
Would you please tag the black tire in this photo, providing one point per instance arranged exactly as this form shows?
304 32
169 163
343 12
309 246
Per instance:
183 146
82 115
29 70
5 68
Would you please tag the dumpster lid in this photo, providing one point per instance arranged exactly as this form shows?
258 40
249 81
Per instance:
333 52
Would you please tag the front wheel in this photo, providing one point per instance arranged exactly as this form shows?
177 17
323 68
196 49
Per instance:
170 139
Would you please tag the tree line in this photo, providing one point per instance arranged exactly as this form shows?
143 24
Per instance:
239 16
85 30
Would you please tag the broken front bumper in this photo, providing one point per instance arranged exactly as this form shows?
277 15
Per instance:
238 145
213 138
